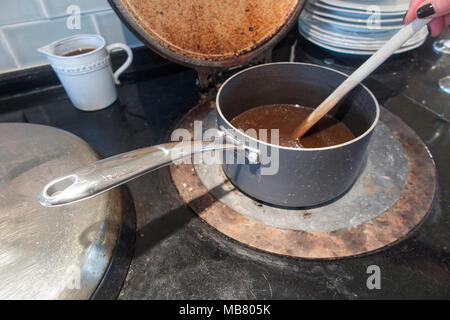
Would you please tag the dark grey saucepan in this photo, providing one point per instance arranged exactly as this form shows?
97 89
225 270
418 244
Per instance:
305 177
277 175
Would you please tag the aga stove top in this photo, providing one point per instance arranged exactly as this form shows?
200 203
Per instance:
178 255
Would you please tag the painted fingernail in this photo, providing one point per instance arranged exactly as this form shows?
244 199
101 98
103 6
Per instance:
425 11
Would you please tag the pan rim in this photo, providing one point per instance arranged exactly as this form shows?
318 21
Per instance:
363 135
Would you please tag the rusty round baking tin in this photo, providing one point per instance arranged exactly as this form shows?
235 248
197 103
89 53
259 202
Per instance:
209 34
393 225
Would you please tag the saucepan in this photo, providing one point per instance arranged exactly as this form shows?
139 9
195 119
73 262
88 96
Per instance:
273 174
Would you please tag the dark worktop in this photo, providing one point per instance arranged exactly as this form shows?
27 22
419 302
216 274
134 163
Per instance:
177 256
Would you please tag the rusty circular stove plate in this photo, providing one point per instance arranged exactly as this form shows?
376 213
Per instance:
379 185
407 210
208 33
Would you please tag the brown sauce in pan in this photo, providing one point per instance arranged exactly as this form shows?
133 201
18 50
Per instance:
327 132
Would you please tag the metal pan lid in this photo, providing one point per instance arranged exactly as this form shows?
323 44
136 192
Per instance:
209 33
50 253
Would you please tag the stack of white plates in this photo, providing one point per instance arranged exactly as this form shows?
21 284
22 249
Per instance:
356 27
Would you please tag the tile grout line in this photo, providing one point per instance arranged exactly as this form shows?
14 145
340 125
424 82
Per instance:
83 13
94 22
44 8
55 18
10 51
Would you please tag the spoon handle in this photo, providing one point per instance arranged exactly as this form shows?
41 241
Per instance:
360 74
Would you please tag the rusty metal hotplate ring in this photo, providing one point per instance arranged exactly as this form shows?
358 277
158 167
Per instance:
396 223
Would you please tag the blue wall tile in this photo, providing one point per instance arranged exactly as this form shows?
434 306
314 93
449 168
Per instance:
6 61
112 29
27 25
25 39
58 8
14 11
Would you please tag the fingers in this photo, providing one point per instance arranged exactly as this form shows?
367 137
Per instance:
433 9
447 21
411 14
426 9
435 26
438 10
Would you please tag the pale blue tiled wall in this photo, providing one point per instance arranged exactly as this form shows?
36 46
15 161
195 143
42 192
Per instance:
26 25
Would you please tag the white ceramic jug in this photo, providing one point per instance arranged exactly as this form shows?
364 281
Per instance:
87 77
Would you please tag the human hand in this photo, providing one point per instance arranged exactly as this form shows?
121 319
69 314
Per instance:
437 10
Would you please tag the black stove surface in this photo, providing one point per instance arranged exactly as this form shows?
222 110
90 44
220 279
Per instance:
177 256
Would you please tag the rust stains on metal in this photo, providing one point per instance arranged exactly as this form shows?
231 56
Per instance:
369 187
390 227
208 29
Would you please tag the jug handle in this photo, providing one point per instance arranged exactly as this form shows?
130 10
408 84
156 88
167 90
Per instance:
127 63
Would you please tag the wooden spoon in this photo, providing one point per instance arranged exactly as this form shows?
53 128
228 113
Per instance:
360 74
